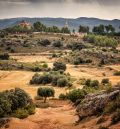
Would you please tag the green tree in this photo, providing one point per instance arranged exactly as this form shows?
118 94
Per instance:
99 29
83 29
110 29
38 26
65 30
45 92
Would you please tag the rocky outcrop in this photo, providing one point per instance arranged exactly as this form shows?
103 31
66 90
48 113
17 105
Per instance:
94 104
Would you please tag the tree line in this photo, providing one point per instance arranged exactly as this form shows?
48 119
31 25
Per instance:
40 27
37 27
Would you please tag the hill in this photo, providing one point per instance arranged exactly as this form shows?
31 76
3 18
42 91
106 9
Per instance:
60 22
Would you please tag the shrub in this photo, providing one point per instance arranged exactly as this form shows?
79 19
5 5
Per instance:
19 98
62 97
54 55
41 79
56 78
105 81
45 42
5 105
102 41
45 65
36 69
21 113
117 73
45 92
111 107
62 82
103 127
57 44
80 60
30 109
116 117
88 82
14 102
59 66
94 83
4 56
76 94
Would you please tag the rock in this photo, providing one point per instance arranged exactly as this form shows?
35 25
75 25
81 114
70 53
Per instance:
94 104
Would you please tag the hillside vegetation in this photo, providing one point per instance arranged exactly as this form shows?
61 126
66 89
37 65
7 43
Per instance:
73 81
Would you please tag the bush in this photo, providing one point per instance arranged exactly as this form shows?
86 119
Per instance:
45 42
45 92
110 108
117 73
58 44
4 56
116 117
103 127
54 55
80 60
56 78
21 113
30 109
41 79
88 82
76 94
105 81
94 83
13 102
62 82
19 98
45 65
62 97
59 66
102 41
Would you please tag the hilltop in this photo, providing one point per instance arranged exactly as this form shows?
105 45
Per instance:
60 22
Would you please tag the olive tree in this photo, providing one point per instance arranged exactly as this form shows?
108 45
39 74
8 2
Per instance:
45 92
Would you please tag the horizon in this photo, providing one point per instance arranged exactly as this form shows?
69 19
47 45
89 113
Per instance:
59 17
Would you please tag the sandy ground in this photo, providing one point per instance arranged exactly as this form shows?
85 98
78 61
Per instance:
50 118
12 79
62 116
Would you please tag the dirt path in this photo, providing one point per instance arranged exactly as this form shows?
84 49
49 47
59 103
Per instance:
60 117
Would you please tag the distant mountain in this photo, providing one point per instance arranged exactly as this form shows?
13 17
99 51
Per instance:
60 22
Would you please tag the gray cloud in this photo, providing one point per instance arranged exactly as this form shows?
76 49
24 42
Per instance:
60 8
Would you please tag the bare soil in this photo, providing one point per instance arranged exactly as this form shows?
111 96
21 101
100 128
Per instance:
62 116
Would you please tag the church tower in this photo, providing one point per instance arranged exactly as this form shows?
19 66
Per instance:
66 24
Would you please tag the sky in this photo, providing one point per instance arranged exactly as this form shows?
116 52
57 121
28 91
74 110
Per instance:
103 9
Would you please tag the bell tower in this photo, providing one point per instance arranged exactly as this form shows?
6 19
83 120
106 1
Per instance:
66 24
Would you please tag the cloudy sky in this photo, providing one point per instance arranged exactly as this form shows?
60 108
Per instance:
104 9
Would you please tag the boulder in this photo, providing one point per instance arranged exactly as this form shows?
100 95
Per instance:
94 104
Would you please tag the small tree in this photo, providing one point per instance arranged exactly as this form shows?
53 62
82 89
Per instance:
45 92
